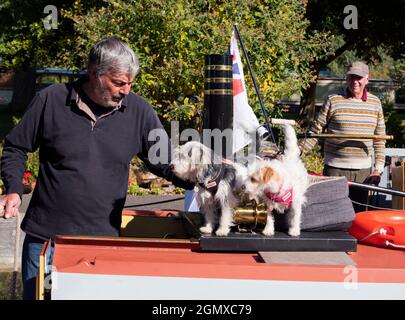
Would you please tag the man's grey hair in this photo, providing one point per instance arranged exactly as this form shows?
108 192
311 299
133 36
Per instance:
113 54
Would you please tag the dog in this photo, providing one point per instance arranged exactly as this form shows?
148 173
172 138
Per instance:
281 183
218 182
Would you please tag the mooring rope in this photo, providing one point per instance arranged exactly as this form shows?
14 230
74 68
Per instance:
371 206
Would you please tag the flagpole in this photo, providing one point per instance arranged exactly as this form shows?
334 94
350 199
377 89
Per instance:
254 83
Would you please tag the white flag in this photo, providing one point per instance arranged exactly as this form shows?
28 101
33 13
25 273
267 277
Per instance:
244 119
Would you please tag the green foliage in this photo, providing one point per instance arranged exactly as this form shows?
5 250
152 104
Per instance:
135 190
155 190
15 120
32 164
180 33
313 160
380 29
393 123
24 41
398 70
171 38
385 67
379 26
178 190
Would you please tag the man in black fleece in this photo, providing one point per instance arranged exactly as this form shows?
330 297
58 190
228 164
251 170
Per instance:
87 132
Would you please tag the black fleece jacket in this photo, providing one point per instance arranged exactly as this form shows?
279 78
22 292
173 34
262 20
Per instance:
84 167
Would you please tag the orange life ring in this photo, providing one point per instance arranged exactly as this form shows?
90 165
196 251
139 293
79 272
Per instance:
382 228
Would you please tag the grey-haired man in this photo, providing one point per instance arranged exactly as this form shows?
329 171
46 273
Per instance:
88 132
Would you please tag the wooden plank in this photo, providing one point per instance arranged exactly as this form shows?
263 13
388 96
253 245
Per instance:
40 279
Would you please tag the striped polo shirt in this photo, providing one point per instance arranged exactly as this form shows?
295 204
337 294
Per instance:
343 115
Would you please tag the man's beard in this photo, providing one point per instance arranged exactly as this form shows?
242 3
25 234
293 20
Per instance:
108 100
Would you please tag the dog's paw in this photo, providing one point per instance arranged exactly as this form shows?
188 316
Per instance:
222 232
206 229
294 232
268 233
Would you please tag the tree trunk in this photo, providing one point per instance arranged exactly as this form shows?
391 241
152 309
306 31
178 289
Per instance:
307 103
23 90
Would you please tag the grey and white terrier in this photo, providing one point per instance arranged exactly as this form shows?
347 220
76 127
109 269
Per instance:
218 183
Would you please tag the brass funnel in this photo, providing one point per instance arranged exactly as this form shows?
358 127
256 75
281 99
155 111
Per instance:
250 215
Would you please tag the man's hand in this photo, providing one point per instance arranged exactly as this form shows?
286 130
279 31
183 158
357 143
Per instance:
373 178
9 205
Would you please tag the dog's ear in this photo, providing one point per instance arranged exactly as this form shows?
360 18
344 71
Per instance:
266 174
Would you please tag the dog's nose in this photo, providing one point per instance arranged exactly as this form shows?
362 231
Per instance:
243 187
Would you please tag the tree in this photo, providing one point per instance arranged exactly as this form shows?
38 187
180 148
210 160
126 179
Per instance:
171 37
378 26
393 123
25 43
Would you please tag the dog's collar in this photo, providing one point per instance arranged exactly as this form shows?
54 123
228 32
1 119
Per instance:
285 199
212 184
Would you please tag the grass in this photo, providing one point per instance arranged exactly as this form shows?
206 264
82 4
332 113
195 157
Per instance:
6 286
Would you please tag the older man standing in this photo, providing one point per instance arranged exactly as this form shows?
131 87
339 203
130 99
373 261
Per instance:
356 111
87 131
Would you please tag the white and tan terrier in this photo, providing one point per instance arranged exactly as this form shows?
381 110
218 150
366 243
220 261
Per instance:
281 184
